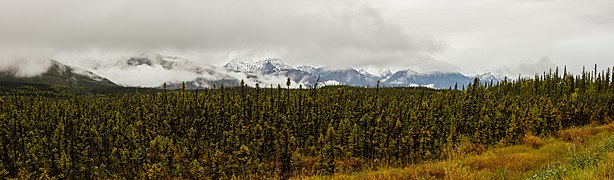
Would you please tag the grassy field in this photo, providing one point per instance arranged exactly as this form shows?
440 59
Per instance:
575 153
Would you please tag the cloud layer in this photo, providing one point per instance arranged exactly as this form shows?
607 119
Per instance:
302 32
483 35
468 36
527 68
23 62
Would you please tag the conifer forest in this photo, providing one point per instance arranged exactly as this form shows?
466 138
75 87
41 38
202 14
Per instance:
264 131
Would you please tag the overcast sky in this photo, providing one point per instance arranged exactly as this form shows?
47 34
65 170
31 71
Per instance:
503 36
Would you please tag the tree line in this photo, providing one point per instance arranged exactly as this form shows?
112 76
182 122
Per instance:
278 132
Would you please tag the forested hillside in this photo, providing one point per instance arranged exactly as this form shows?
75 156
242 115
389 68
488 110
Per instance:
279 132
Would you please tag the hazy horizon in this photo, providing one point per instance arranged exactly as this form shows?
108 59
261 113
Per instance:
507 37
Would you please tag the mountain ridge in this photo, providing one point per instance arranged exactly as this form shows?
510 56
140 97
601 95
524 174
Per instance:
59 74
268 71
356 76
272 71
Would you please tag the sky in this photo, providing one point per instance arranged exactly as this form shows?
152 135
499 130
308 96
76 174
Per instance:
507 37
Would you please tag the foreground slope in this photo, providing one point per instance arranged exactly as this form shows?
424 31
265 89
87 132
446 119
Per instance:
575 153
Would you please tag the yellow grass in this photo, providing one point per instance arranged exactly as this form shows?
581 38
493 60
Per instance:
533 141
535 156
605 169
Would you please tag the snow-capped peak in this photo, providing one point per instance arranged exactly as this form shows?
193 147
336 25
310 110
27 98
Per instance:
375 72
409 72
266 66
152 70
308 69
487 77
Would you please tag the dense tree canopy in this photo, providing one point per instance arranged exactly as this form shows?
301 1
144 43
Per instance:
277 132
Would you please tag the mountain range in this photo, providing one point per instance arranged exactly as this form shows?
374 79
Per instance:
174 71
59 75
308 75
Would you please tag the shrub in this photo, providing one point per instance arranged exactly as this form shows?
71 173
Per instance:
532 141
467 147
574 135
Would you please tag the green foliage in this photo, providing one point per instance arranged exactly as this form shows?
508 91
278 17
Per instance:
578 163
244 132
583 160
587 159
555 171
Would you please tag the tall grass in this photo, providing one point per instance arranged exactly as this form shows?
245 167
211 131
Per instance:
575 153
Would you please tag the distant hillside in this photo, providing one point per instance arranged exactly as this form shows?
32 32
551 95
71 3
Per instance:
59 77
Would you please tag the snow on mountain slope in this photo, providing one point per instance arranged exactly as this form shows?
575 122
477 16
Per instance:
308 69
402 77
88 74
266 66
375 72
347 76
490 77
273 71
434 79
332 83
152 70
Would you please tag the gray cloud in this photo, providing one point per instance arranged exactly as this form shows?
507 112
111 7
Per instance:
302 32
33 66
24 62
527 68
470 36
483 35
